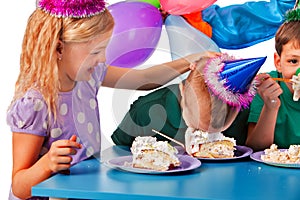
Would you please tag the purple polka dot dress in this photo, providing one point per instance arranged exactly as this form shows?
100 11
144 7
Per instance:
78 114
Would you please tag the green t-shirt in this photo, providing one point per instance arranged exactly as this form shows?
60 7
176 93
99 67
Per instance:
287 129
159 110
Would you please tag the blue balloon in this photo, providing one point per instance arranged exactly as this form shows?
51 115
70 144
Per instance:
242 25
184 39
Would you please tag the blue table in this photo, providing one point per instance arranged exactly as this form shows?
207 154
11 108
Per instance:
240 179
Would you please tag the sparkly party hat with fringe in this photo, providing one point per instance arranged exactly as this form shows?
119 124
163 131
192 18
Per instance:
72 8
231 79
293 14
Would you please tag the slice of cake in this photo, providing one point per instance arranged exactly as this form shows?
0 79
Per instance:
209 145
148 153
288 156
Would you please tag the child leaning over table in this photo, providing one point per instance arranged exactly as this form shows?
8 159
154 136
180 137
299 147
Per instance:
274 115
179 109
54 113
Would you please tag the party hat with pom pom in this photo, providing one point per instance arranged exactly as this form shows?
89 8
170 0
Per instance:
231 79
72 8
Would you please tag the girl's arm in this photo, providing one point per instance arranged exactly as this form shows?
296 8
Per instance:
152 77
261 134
28 170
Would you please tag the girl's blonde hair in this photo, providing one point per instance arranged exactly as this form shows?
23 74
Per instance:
38 62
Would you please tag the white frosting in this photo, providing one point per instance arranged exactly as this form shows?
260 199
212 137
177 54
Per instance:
296 87
201 137
294 150
289 156
150 143
193 139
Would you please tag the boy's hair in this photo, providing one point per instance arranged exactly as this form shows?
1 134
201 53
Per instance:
288 31
38 61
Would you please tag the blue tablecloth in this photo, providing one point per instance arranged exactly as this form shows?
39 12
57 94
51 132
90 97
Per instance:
235 179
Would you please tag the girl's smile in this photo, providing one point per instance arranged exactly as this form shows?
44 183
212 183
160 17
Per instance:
80 59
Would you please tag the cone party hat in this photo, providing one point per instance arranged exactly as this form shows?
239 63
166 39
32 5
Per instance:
232 80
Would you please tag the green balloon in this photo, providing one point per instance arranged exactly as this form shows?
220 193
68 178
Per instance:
155 3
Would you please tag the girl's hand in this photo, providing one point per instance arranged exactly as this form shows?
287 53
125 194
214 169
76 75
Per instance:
59 155
196 58
269 90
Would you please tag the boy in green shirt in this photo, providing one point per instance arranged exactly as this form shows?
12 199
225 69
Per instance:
274 115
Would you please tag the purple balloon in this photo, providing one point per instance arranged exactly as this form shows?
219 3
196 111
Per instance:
136 33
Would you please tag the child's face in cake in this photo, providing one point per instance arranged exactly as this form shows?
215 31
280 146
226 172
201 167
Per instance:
201 110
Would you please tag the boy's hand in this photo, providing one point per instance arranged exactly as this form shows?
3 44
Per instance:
269 90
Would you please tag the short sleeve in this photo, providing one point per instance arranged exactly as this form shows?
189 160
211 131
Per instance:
28 115
255 108
159 110
99 74
258 103
173 108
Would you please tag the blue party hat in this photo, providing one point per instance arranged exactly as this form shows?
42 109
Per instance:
232 80
240 73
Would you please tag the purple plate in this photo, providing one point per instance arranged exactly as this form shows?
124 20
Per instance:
257 157
240 152
181 150
125 163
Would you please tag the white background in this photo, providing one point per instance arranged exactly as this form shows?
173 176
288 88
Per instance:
14 15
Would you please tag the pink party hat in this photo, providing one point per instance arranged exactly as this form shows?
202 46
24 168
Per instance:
72 8
231 79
